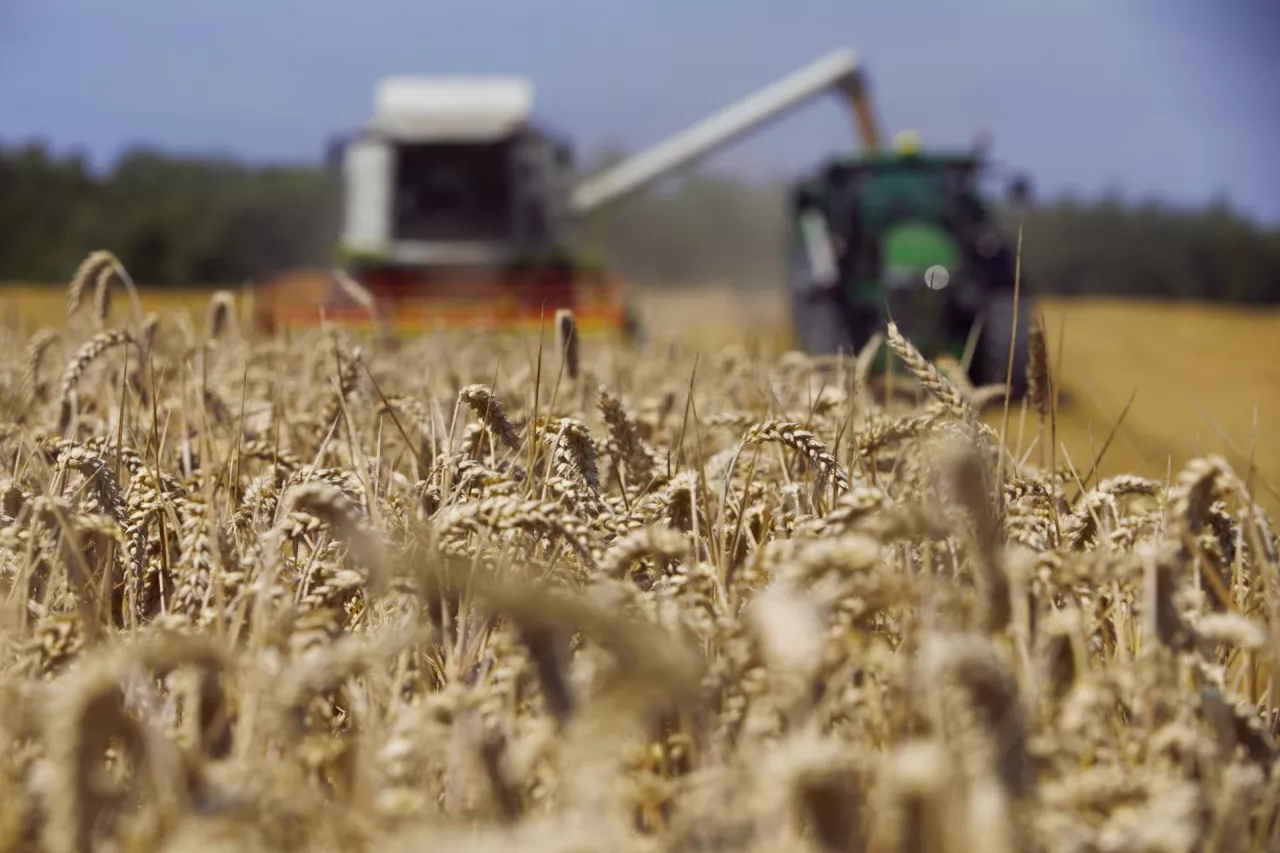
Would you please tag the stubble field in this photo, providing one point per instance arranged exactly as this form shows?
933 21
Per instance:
469 594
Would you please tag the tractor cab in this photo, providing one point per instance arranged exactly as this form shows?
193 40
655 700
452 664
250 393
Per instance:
901 234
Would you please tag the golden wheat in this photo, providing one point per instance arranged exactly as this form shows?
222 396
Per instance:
332 594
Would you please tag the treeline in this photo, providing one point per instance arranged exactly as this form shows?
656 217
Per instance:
171 221
180 221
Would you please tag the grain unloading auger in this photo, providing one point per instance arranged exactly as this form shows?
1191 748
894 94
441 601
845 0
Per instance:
839 72
456 205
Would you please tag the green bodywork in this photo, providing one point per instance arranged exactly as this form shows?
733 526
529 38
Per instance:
907 250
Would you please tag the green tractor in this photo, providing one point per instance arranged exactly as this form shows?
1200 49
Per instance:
886 234
905 235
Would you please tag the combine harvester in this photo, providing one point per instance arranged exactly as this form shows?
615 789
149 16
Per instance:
456 208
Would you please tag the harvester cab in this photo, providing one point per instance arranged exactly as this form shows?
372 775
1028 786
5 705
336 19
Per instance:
453 201
451 171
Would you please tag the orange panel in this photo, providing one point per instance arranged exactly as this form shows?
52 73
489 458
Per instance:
450 298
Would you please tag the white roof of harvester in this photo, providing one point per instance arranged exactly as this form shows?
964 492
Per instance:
463 108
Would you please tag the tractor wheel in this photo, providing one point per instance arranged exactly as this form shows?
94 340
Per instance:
818 321
991 361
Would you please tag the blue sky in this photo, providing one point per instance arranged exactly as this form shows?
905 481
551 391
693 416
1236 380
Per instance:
1175 99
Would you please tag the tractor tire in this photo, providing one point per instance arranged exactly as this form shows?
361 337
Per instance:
991 361
818 321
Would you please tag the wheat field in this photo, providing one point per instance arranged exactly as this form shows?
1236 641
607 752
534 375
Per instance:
467 593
